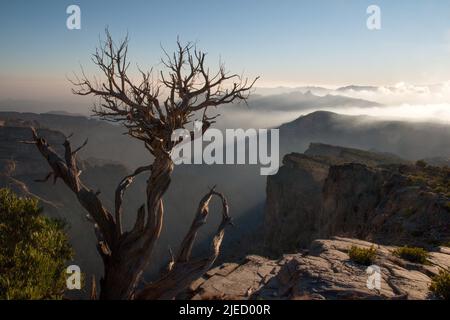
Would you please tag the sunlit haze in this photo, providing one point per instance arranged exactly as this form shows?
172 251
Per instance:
290 44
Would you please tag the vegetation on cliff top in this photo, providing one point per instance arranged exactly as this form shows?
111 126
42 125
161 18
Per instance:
440 285
33 250
412 254
436 178
364 256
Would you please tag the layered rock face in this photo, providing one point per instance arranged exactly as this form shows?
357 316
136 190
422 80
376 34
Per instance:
385 205
293 198
409 140
332 191
295 212
323 272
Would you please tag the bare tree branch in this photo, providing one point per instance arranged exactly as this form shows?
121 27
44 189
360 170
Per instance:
123 185
139 107
74 153
183 269
68 171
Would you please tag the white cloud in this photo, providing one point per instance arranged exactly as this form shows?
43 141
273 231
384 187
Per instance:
402 93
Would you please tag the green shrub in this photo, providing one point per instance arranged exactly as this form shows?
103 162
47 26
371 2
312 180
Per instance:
440 285
436 178
362 256
412 254
417 180
33 250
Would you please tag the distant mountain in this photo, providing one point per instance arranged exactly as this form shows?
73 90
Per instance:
65 113
70 105
357 88
106 141
410 140
298 101
320 91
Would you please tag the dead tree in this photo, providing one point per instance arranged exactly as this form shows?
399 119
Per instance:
189 89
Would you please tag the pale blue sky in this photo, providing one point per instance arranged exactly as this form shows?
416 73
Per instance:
287 42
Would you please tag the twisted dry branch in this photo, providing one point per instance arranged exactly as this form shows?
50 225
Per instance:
183 270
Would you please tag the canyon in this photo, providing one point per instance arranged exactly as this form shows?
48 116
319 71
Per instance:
322 191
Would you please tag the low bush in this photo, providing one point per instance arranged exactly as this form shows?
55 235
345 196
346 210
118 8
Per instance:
364 256
412 254
440 285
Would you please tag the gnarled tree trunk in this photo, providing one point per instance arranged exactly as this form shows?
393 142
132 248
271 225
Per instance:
131 254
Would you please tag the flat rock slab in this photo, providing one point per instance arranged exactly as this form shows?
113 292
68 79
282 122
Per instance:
326 272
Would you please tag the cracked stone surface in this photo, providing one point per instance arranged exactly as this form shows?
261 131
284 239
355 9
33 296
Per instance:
322 272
